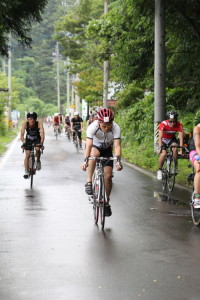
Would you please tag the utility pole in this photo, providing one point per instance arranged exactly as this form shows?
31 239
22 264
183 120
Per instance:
77 98
160 68
106 67
9 79
58 76
68 83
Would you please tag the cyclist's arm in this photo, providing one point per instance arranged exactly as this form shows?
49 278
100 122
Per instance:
117 147
23 128
72 125
196 135
40 125
88 147
160 139
81 125
181 138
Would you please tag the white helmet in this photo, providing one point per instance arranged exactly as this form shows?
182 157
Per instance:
67 115
56 114
76 113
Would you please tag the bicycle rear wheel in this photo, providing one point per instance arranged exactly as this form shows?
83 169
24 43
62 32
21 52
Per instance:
77 144
102 201
195 212
171 173
164 175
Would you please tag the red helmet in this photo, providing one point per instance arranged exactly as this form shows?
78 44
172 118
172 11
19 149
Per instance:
105 115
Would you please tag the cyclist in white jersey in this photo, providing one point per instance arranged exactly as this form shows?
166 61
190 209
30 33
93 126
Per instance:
102 135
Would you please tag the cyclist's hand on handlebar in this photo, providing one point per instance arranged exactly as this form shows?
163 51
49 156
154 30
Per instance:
84 166
118 166
23 145
198 158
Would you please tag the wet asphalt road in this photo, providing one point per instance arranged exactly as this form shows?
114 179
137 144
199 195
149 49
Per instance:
51 250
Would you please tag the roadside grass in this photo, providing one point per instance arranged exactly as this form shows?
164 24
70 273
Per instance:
5 140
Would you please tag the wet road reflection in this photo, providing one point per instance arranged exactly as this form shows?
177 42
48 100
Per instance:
51 249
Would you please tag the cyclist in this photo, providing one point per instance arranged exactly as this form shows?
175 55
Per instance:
77 125
67 122
56 121
34 133
102 134
194 157
167 137
91 119
61 119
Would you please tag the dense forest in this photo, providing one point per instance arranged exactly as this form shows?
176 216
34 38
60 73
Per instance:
125 37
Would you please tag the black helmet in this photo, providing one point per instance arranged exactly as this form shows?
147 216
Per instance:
197 118
172 115
32 115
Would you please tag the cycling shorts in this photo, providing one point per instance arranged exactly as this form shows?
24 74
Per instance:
29 143
106 153
167 143
193 156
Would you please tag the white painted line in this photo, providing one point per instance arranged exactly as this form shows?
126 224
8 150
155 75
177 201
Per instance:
8 152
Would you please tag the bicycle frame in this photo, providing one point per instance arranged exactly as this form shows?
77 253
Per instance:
99 197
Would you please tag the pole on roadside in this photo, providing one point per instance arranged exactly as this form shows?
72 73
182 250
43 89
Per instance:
160 68
68 84
58 76
106 67
9 79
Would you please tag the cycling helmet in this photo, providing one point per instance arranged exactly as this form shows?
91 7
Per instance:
197 118
105 115
76 113
32 115
67 115
172 115
56 114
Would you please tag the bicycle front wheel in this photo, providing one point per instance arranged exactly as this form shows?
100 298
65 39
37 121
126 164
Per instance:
164 175
195 212
95 186
171 174
102 201
31 169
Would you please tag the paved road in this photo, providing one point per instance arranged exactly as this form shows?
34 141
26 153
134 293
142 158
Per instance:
51 250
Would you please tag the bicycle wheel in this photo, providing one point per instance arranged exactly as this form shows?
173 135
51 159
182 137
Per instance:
171 173
195 212
56 133
31 169
102 201
164 175
95 186
77 144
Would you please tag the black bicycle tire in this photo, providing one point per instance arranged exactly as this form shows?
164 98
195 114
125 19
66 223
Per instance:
32 163
171 174
102 202
95 199
164 175
195 213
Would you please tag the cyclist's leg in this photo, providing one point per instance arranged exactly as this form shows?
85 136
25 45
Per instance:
175 151
92 163
108 180
26 160
80 137
197 180
161 159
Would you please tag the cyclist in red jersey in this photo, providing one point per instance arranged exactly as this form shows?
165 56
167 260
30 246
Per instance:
167 137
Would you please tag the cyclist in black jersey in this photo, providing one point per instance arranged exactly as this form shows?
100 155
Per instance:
77 125
34 134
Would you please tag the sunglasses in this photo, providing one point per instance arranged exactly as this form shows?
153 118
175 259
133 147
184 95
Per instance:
106 125
172 121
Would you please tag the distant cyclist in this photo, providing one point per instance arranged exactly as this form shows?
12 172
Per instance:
91 119
34 134
67 122
194 156
102 135
167 137
56 121
77 125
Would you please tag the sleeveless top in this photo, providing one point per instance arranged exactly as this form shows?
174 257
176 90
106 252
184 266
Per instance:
32 132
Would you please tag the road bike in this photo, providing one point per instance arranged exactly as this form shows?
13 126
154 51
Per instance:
76 140
195 212
33 162
99 198
56 131
68 133
169 170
